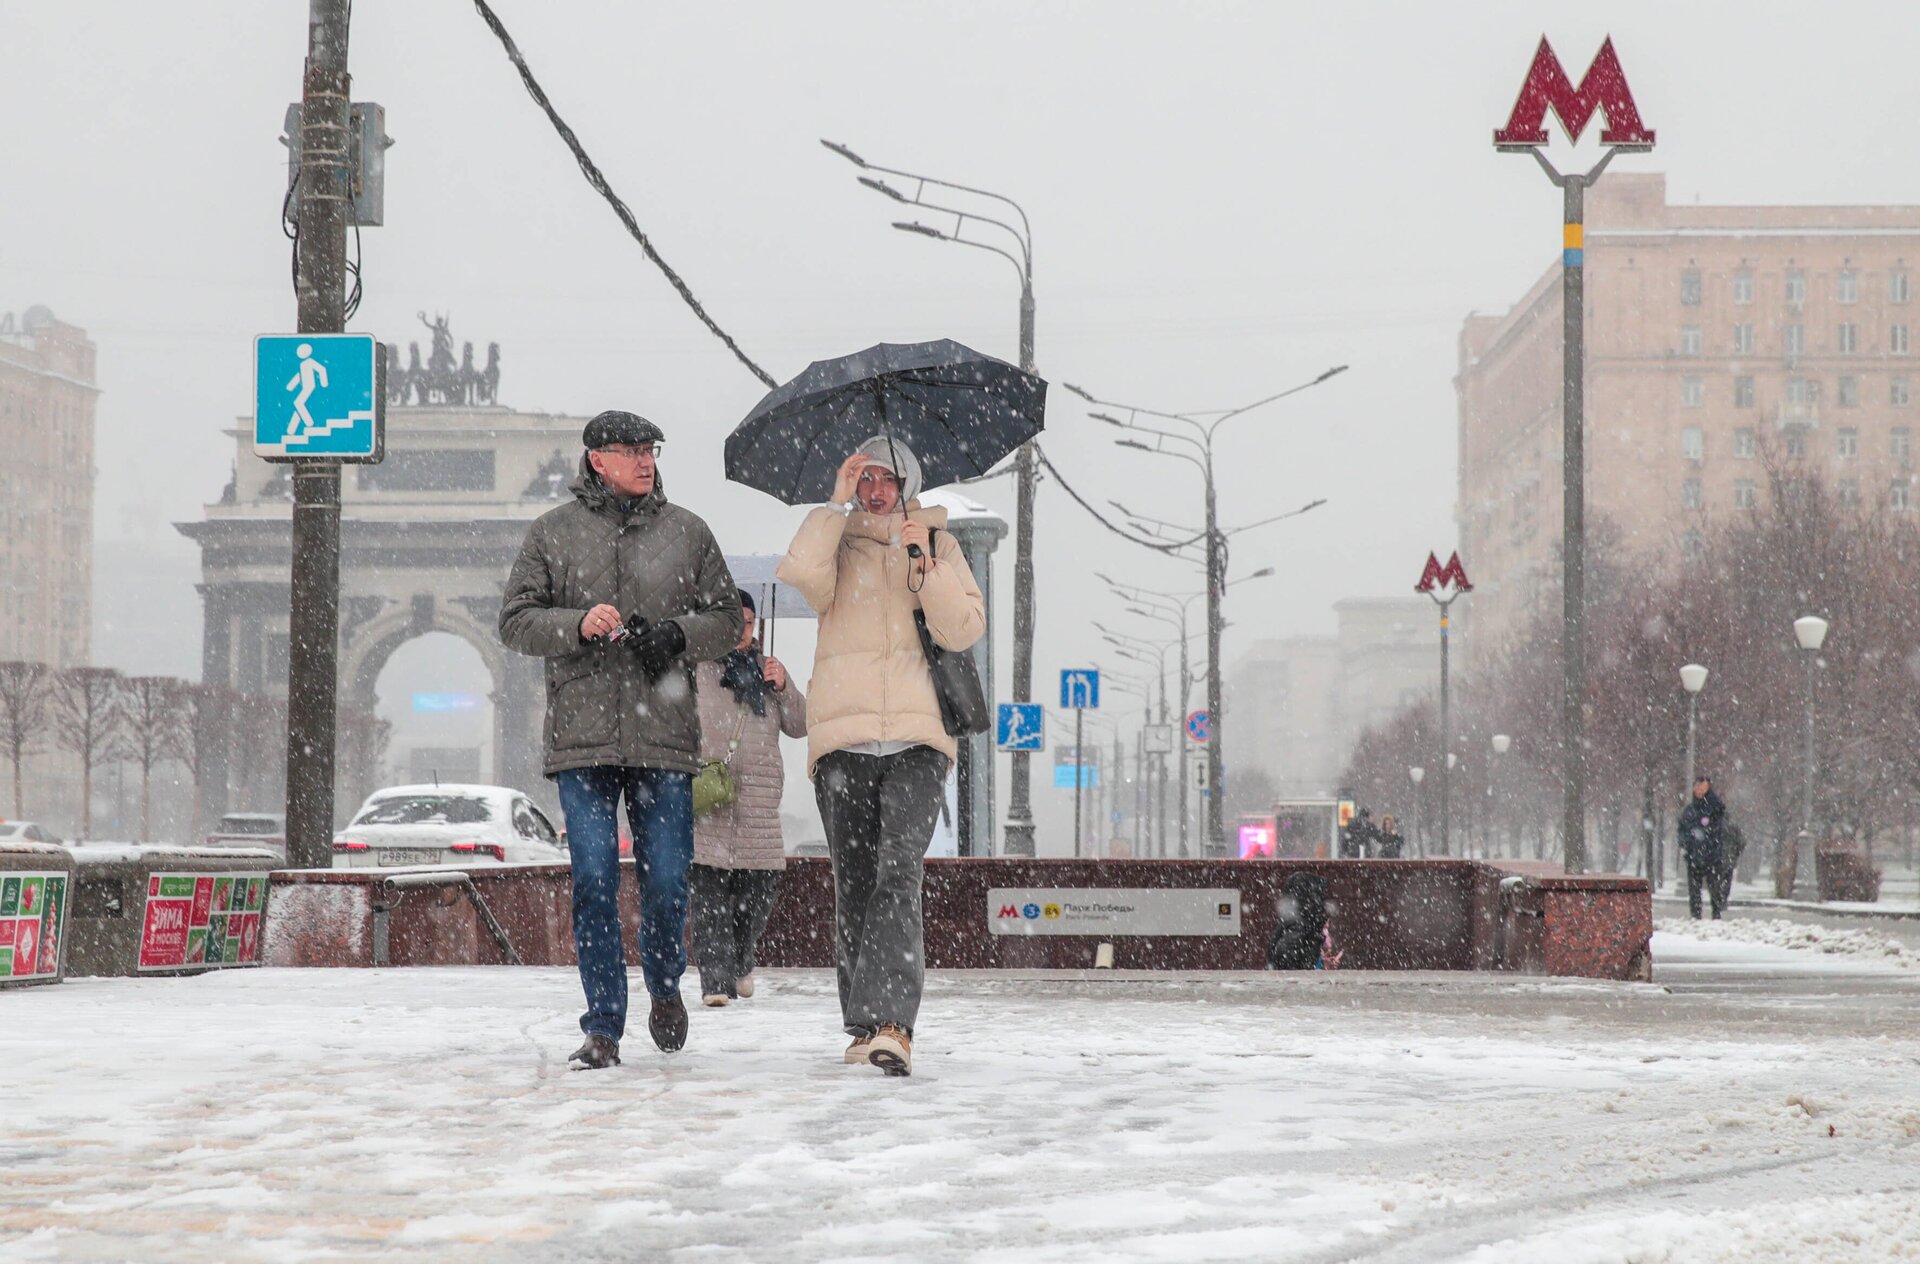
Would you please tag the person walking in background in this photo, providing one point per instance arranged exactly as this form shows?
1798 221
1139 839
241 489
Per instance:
746 703
877 748
1387 843
1357 838
618 590
1733 843
1702 826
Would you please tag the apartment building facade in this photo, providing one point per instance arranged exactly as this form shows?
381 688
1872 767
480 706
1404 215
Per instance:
47 399
1723 342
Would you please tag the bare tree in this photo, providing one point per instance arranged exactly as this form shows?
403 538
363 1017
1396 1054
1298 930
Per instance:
152 713
87 720
23 716
204 730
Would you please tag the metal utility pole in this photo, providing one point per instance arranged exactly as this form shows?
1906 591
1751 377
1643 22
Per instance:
1079 774
320 289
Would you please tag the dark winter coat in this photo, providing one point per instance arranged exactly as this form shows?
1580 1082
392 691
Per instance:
1299 935
1388 844
1703 824
654 559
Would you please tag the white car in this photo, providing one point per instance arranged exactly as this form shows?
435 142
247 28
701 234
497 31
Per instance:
25 832
447 825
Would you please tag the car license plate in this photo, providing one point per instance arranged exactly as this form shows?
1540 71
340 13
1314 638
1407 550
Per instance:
406 856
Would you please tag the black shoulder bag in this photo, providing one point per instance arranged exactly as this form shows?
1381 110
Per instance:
956 680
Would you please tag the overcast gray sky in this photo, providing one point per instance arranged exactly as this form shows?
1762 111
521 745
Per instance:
1226 199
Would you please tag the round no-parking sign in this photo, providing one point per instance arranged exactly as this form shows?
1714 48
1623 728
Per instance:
1200 726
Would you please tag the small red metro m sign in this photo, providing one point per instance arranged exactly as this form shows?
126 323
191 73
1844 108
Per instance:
1604 88
1436 579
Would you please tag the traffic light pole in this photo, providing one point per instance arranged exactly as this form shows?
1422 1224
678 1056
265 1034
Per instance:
320 289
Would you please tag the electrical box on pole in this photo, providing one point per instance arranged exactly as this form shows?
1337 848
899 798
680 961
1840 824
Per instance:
367 145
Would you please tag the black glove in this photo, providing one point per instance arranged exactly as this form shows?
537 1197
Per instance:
657 645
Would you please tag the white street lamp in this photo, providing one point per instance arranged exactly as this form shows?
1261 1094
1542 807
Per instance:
1811 631
1418 774
1693 678
1501 743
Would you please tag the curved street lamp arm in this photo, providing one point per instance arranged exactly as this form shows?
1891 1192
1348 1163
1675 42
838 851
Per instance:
925 231
1231 413
864 165
1313 504
1195 461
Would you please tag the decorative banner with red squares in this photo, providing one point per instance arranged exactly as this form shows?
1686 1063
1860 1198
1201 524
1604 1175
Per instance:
33 913
202 919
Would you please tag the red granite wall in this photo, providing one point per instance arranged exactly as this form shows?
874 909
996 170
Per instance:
1383 914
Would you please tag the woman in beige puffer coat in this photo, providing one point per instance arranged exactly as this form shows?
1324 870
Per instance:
746 703
876 747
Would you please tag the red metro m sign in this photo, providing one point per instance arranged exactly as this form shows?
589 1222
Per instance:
1436 579
1547 87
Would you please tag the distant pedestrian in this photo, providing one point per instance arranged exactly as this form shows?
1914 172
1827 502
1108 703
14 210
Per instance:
1702 825
1387 843
1733 842
877 748
621 592
1299 938
1357 838
746 703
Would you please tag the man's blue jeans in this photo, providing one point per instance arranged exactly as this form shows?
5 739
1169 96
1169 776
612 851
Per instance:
660 809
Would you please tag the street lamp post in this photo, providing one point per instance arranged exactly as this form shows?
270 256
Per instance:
1417 774
1811 631
1201 442
1693 678
1018 840
1501 744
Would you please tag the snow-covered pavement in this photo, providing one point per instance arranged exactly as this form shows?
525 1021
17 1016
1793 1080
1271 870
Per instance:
1761 1105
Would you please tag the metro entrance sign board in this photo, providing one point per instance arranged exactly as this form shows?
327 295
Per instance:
202 919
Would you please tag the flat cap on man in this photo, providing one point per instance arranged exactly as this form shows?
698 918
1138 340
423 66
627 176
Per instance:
615 426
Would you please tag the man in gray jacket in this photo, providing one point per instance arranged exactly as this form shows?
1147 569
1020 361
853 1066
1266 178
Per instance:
622 593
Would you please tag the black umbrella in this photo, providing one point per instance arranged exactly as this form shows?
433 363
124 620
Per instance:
960 412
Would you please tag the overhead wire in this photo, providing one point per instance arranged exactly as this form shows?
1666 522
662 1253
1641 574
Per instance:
600 185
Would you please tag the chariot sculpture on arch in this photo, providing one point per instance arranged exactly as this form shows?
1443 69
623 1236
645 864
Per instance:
442 380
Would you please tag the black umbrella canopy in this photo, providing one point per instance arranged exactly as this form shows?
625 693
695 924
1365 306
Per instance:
960 411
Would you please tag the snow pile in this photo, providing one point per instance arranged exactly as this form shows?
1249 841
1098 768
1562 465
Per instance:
1871 945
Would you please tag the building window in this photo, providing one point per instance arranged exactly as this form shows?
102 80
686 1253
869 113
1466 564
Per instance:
1743 391
1743 494
1690 287
1693 443
1900 444
1899 392
1796 340
1690 340
1849 493
1846 287
1898 289
1746 444
1897 339
1692 393
1743 339
1849 442
1802 390
1847 340
1796 286
1692 546
1743 288
1848 395
1797 442
1900 495
1690 494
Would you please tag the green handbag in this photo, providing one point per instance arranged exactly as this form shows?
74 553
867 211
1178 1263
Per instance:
713 786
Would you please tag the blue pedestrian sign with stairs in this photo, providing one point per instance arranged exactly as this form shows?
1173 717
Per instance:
1080 689
319 396
1022 726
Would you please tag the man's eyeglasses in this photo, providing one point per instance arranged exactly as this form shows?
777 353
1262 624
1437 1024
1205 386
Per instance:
629 451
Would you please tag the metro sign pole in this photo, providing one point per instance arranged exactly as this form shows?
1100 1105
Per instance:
1435 581
1604 89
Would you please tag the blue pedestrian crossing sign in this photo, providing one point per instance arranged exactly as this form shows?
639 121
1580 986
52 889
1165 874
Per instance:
1022 727
319 395
1080 689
